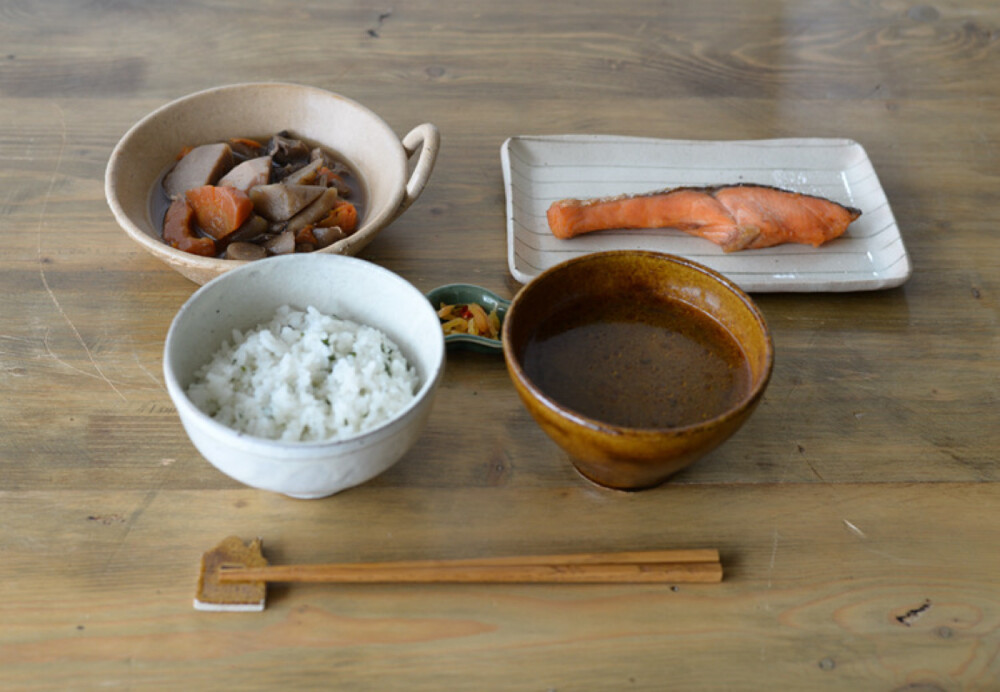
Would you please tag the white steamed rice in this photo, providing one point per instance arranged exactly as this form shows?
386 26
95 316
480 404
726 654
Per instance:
305 376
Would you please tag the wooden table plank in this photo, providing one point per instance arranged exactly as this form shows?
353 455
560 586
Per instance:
856 512
832 588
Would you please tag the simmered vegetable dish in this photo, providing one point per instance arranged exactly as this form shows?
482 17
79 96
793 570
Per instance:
247 198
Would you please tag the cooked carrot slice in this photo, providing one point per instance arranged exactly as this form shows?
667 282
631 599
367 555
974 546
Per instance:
219 210
178 231
343 214
247 142
306 235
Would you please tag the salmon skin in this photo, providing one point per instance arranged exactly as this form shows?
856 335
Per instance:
736 217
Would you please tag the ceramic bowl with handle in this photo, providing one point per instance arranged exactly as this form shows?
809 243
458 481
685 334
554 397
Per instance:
349 130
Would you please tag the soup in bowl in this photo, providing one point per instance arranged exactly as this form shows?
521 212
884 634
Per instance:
636 363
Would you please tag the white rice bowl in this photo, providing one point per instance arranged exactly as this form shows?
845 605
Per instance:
304 377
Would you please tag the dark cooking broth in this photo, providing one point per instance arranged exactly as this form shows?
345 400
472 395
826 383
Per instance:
648 364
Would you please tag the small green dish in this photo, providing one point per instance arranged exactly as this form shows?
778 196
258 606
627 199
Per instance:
452 294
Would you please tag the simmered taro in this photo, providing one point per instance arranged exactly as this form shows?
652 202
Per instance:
251 198
250 173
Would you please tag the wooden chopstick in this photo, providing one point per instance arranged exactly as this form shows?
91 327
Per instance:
661 566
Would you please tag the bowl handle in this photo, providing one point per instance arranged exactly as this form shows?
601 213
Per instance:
425 139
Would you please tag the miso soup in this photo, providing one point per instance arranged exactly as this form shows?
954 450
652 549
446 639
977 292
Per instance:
654 363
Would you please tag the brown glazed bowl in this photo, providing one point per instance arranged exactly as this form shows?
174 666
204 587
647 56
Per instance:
608 454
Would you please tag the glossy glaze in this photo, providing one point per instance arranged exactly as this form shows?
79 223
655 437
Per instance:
613 455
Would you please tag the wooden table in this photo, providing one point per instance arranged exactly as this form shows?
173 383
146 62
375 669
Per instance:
857 513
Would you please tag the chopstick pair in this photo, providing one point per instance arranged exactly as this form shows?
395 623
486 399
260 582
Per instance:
234 575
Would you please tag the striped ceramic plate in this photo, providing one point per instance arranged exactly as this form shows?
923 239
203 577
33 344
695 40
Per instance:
538 170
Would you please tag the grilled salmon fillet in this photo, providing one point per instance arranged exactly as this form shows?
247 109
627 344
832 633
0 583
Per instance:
736 217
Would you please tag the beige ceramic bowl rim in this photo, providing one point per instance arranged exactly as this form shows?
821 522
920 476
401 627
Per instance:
245 442
158 248
593 424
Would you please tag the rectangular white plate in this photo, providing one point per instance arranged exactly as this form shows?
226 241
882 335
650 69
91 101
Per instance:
539 170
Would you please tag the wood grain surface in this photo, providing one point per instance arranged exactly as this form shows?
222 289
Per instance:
857 513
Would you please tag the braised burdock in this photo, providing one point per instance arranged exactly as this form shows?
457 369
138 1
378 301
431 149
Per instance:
248 199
